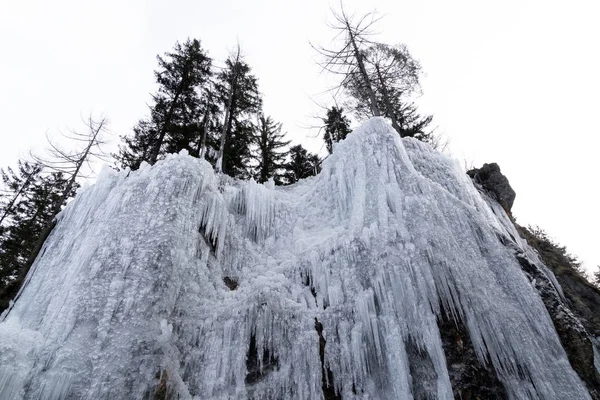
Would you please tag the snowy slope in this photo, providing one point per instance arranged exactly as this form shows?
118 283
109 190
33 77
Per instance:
128 298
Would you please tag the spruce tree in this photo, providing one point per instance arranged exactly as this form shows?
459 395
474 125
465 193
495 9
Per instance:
301 164
16 185
32 212
270 152
337 127
175 117
237 91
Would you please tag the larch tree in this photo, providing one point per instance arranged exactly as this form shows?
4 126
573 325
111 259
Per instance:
237 91
347 59
337 127
395 77
378 79
270 150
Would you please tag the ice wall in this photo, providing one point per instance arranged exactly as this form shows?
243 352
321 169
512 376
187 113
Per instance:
340 281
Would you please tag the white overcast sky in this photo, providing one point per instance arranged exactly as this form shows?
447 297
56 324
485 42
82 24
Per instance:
512 82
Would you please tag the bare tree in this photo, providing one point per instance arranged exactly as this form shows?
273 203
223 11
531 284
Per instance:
348 59
71 162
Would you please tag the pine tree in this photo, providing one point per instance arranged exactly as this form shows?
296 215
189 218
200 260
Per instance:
271 152
337 127
237 90
302 164
175 118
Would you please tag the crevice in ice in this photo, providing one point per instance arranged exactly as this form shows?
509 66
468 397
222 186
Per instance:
327 380
307 281
259 363
422 372
231 283
469 377
162 391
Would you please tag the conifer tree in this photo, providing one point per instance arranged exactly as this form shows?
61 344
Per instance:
175 117
395 77
16 185
210 124
379 79
237 90
271 152
301 164
337 127
32 212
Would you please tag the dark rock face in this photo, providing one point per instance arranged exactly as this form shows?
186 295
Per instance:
493 181
469 378
573 336
577 316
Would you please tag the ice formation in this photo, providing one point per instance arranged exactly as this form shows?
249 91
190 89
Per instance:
129 296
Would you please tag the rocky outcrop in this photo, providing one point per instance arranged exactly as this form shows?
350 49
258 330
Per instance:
573 307
494 182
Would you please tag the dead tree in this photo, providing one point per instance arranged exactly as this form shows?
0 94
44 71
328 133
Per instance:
348 59
86 148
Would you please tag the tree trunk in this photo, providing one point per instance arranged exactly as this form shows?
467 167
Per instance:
202 144
163 129
167 121
227 122
225 132
388 104
363 71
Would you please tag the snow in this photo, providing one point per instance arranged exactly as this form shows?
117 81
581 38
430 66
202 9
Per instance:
390 235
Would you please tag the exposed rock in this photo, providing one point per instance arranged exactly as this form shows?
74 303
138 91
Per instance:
576 317
470 380
230 283
492 180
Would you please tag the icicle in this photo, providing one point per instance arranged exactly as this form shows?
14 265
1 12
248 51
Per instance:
130 298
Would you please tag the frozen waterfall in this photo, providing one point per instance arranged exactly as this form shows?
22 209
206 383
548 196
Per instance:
173 280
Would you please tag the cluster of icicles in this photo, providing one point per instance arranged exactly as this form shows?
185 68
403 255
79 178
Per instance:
174 281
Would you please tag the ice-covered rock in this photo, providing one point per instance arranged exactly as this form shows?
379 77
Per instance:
172 280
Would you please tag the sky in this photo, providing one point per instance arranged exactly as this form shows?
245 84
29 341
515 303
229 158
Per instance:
512 82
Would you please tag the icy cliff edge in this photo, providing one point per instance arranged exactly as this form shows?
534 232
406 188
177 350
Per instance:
173 280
